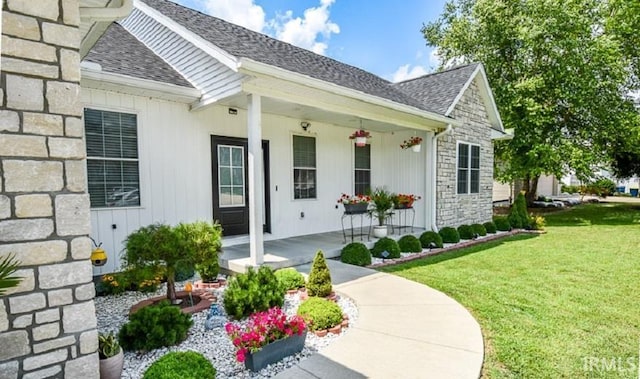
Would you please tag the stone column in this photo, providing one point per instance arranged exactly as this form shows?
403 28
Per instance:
48 322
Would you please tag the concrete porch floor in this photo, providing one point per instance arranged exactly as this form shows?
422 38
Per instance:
293 251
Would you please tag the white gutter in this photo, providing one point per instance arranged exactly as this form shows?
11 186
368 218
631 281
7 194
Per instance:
136 86
107 14
434 174
250 66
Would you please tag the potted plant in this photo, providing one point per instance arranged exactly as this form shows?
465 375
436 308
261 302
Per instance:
356 204
111 356
413 143
267 337
361 137
404 201
382 202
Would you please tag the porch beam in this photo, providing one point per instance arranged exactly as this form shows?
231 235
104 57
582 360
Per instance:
256 181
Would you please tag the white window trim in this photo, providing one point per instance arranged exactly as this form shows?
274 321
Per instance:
292 167
353 167
468 191
244 168
143 190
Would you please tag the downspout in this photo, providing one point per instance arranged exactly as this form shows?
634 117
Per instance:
107 14
434 174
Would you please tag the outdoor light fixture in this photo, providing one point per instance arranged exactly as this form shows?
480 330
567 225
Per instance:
305 125
233 111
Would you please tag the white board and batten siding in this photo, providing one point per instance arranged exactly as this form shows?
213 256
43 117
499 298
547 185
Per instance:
199 68
175 169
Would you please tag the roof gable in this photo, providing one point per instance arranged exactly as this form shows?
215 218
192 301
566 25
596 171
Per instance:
119 52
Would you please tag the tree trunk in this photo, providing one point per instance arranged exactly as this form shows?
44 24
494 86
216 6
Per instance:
171 288
531 188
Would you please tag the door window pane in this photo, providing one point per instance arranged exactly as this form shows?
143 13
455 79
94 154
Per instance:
231 176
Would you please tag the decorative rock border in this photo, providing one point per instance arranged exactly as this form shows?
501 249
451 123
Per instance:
336 329
199 284
206 299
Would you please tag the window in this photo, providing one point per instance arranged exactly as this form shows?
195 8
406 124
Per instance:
112 158
362 172
304 167
468 168
231 175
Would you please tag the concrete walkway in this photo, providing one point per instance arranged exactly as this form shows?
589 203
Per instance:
404 330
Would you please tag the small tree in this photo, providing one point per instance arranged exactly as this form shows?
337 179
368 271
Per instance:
319 283
203 241
518 217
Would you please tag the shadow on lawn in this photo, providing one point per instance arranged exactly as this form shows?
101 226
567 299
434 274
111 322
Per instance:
445 256
597 214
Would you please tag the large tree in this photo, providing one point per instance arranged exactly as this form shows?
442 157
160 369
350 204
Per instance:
560 72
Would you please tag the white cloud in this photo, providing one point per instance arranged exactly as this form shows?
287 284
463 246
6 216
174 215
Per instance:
305 31
311 31
406 72
241 12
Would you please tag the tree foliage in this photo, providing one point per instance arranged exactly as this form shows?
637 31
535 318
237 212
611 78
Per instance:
561 73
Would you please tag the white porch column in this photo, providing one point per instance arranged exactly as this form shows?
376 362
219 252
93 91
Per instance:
256 184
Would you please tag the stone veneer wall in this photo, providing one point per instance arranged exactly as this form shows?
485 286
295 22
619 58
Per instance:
453 209
47 323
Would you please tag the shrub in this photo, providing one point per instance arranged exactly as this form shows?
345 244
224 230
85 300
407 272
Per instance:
466 232
184 271
569 189
290 278
112 284
490 227
449 235
518 217
502 223
356 253
538 222
252 292
202 241
181 364
319 283
386 244
410 244
479 229
153 327
429 237
320 313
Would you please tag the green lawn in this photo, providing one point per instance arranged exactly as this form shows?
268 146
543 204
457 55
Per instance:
550 305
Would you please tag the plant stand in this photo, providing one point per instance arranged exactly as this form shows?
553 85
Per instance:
355 213
275 351
404 215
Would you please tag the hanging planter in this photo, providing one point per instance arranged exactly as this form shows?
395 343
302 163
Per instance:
414 143
361 137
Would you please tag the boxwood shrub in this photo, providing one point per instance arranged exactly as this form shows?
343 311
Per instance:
252 292
320 313
356 253
410 244
502 223
319 283
429 237
386 244
181 364
466 232
490 227
290 278
154 326
449 235
479 229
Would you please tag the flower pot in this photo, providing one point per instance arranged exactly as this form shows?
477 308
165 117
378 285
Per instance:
321 333
345 323
111 368
361 141
416 148
336 329
275 351
380 231
357 208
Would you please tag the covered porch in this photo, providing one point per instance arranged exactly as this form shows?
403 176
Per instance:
292 251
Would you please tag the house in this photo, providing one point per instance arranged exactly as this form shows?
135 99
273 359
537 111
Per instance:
191 117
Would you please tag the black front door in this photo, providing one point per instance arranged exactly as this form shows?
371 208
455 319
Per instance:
230 184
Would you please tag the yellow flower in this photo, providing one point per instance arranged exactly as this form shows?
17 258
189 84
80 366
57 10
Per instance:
114 283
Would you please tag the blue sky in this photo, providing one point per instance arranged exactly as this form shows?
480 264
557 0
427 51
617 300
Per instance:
382 37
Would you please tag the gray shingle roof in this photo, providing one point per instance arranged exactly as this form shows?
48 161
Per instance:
244 43
437 91
119 52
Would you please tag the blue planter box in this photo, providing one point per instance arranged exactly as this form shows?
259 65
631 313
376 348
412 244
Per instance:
275 351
